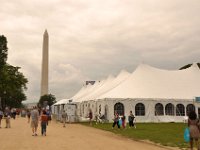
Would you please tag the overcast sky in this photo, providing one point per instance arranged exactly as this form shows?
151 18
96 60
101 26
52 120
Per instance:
90 39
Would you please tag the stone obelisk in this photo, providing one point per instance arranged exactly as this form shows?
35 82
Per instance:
45 64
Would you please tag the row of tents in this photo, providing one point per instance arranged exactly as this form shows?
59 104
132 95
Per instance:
152 94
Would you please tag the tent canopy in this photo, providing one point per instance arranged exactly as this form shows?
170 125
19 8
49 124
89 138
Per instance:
91 92
62 101
150 82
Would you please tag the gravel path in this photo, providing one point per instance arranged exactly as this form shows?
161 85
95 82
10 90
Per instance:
73 137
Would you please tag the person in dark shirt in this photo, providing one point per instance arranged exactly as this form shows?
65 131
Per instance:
116 120
131 118
90 116
28 115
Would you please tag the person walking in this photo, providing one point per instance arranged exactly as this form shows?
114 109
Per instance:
7 116
123 121
44 121
34 120
1 116
90 116
48 112
131 118
193 124
28 115
64 117
116 120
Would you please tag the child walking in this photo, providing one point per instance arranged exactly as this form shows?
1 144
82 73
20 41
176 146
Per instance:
44 121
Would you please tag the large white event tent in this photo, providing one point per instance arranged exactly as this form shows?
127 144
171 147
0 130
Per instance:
154 95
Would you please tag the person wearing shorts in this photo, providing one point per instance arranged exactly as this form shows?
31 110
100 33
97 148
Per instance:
34 121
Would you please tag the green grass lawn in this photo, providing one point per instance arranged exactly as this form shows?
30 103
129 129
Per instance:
167 134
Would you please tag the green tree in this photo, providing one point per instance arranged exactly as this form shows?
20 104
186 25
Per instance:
3 51
49 98
12 86
12 82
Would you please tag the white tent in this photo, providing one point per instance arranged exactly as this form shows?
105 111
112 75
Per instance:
91 89
62 101
150 82
109 85
97 88
59 106
154 95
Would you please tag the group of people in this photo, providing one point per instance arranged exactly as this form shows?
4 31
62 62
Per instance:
6 114
43 116
122 121
36 115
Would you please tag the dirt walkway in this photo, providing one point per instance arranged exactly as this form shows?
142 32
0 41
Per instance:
73 137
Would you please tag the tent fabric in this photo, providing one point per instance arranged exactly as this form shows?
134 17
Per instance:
86 90
150 82
62 101
91 92
109 85
96 89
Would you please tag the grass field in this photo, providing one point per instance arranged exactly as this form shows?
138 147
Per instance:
167 134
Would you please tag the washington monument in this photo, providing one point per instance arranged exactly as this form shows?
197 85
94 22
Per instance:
45 64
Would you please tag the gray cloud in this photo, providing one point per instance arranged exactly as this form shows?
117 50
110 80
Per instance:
90 39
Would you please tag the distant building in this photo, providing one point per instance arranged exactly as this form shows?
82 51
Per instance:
29 105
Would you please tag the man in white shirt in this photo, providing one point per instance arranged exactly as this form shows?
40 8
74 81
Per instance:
34 120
